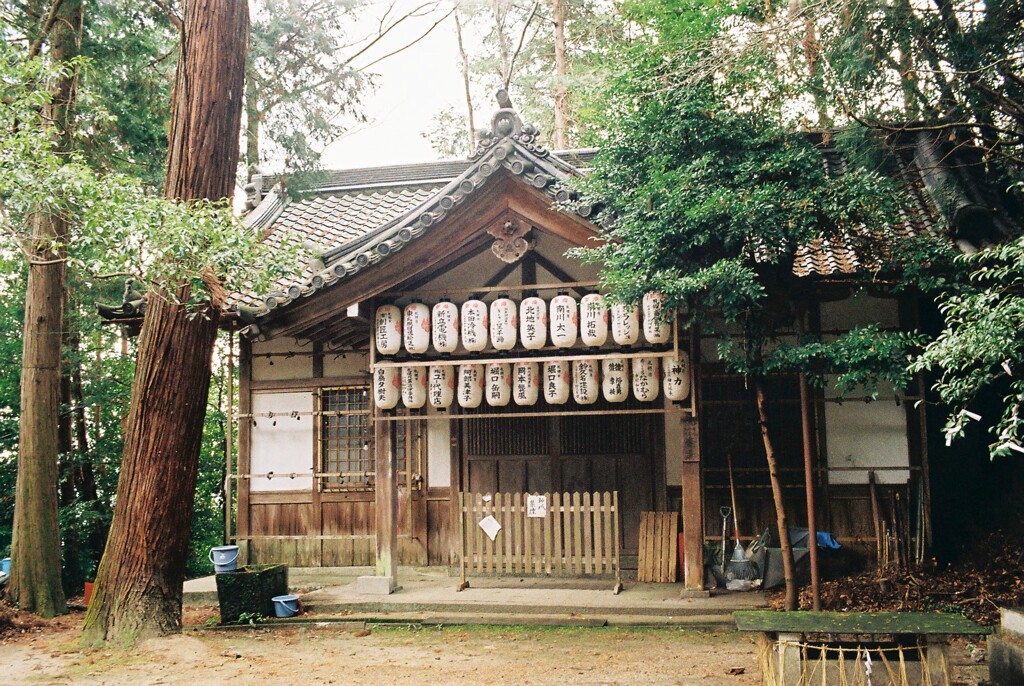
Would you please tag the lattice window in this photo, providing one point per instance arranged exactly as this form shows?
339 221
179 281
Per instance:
345 450
346 442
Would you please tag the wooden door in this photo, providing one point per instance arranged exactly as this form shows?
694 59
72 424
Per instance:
569 454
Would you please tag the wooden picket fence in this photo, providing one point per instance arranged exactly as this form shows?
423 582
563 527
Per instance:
578 536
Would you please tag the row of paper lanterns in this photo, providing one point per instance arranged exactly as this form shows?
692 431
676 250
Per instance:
524 383
504 323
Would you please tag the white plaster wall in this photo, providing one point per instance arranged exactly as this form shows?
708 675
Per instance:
860 310
277 368
282 444
439 460
871 435
347 364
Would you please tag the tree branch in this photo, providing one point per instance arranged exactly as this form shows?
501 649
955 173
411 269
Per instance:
44 29
168 9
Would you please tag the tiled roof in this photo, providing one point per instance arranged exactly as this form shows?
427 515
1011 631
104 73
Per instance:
356 218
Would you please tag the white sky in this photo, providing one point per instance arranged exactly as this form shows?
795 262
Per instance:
412 87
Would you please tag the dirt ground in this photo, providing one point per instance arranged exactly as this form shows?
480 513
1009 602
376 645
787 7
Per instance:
330 654
326 654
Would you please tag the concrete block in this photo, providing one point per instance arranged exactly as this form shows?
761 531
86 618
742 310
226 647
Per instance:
1011 621
1005 662
376 585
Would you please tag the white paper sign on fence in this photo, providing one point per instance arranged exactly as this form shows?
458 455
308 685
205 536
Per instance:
490 526
536 506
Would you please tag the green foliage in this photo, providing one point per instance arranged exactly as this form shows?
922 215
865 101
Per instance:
981 350
301 89
117 225
124 99
707 198
512 44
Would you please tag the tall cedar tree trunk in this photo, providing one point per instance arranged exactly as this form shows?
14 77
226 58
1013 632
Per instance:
780 509
35 545
561 94
139 585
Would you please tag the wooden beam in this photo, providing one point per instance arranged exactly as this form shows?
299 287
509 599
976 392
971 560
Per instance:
558 272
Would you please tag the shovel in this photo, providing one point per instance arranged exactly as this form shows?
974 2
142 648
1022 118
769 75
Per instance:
725 511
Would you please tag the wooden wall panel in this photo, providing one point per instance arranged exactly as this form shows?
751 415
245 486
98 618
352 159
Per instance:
348 518
283 519
441 545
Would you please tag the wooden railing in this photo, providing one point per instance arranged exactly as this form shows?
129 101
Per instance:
577 536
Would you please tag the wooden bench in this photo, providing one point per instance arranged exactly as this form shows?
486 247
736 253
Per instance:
578 535
899 648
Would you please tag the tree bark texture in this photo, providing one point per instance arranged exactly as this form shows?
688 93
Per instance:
788 566
202 155
139 584
138 589
35 543
561 91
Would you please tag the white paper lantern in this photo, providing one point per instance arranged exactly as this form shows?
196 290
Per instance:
474 325
593 320
444 326
499 384
564 321
625 323
503 323
526 384
414 387
387 326
533 322
417 328
471 385
615 379
556 381
441 385
387 385
585 386
645 378
676 378
655 330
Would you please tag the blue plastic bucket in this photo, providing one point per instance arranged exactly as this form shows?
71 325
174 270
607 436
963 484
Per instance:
224 558
5 565
286 605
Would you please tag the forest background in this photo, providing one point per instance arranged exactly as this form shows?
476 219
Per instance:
581 70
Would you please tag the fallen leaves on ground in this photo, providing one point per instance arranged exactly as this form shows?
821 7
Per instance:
991 577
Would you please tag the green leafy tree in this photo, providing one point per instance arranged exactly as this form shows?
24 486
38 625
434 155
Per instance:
981 349
707 198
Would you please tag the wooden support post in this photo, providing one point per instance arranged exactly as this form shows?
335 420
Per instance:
812 525
693 507
244 448
386 506
229 447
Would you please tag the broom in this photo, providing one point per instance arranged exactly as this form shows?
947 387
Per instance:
739 566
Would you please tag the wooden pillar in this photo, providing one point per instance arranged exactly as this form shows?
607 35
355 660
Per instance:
693 507
386 505
244 447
